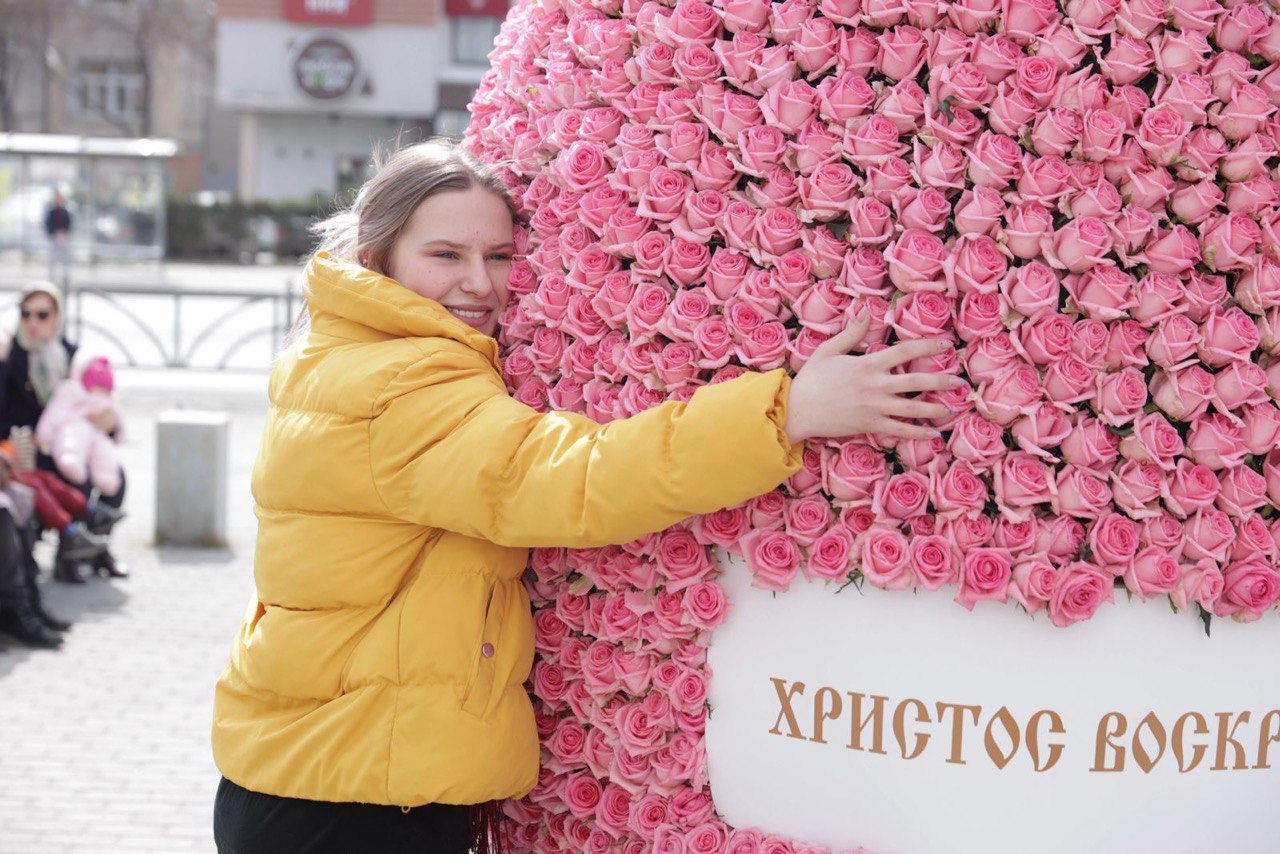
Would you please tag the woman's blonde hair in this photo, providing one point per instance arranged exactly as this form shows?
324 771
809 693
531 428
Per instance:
366 232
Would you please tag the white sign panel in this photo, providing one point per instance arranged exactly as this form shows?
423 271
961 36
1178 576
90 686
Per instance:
908 725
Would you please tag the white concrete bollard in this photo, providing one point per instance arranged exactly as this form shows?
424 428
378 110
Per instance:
191 478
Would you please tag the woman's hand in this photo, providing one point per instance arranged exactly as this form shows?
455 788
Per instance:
6 344
835 394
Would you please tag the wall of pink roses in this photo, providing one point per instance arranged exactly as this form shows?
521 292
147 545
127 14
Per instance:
1083 196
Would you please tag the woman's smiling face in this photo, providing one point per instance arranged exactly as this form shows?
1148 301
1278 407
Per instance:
456 248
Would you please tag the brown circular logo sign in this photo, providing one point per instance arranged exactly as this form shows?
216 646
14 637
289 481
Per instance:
326 68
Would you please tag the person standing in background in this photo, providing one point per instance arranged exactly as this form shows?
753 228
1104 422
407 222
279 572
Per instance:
57 224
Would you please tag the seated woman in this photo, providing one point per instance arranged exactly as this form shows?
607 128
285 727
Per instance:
32 364
21 613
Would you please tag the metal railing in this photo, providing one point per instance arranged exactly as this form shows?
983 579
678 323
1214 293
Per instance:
160 326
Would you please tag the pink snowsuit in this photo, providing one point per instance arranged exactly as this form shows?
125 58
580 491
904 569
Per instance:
79 449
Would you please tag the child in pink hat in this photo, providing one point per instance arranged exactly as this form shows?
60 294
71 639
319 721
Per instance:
67 432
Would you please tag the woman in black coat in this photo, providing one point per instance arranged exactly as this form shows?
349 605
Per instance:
32 363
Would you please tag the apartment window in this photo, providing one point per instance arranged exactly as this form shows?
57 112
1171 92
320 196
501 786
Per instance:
111 89
473 39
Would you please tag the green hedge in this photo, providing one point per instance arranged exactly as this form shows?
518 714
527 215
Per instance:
232 231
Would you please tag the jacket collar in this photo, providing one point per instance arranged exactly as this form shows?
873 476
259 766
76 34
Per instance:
341 295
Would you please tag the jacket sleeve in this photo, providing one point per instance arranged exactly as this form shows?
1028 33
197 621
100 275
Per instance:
450 449
58 412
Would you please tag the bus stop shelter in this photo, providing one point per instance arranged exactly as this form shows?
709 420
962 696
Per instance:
114 189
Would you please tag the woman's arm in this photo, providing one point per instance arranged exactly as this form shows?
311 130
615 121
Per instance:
452 450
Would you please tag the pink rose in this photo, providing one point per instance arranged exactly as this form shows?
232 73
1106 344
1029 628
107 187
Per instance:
1194 203
994 161
1261 431
1174 342
915 261
901 52
1250 588
773 558
826 193
1028 223
1121 397
1079 591
1056 131
1227 336
1208 534
1021 481
1114 540
1090 444
1201 583
981 315
1040 430
1082 244
789 105
1032 582
706 605
1013 392
1044 180
977 441
933 560
979 211
927 210
1243 491
976 265
851 474
1152 572
1244 113
1154 440
1081 492
1031 288
831 555
1045 338
1230 242
1157 296
1192 487
1070 380
1214 441
885 559
1104 292
984 574
1135 487
1173 251
1183 395
1128 61
958 491
1161 135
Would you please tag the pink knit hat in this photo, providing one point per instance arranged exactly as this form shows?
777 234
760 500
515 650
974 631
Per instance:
97 374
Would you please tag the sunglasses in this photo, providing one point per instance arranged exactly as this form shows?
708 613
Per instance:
42 314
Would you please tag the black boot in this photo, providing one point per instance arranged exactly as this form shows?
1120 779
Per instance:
19 619
106 566
48 619
104 517
37 603
81 545
68 572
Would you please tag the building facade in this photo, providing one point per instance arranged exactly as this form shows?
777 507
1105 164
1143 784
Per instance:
111 68
316 85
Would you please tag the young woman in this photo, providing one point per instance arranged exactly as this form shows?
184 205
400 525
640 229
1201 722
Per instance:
375 697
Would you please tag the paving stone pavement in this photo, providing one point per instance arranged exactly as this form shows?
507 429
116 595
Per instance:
104 744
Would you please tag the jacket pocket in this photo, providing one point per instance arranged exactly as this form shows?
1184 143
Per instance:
478 694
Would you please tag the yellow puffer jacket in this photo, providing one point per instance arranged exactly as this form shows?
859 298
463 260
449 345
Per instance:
398 488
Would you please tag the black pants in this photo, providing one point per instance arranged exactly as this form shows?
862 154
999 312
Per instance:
246 822
13 567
